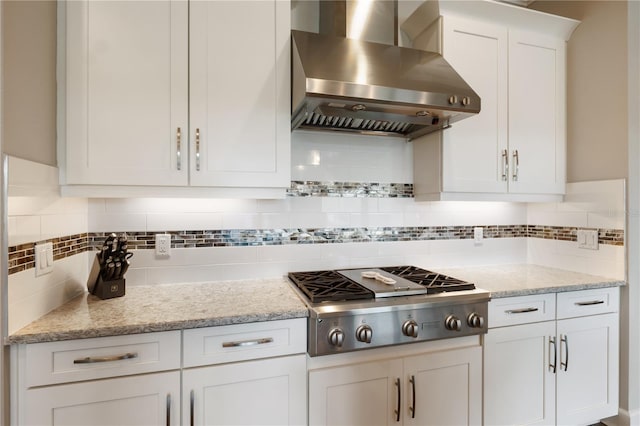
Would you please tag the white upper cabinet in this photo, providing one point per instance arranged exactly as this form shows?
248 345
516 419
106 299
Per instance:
537 114
165 97
514 58
472 148
239 85
126 92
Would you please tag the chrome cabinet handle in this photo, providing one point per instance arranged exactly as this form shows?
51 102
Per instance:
192 398
112 358
198 150
521 311
564 339
516 161
168 409
552 367
178 153
589 303
247 342
397 410
505 164
412 380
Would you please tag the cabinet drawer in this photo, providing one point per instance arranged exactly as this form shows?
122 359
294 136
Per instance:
588 302
87 359
522 310
239 342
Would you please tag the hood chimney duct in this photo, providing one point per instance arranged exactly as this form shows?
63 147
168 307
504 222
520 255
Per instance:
368 20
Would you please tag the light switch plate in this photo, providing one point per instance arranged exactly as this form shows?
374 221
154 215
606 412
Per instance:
43 258
588 239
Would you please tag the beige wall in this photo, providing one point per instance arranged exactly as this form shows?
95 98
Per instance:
596 88
29 79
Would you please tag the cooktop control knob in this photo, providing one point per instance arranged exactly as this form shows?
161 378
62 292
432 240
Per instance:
474 320
453 323
410 328
364 333
336 337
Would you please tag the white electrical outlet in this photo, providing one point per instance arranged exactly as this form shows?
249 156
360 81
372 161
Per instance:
588 239
478 235
44 258
163 245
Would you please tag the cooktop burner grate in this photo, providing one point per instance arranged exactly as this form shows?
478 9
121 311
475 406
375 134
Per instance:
324 286
433 281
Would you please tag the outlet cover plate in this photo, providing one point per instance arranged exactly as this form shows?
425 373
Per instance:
163 245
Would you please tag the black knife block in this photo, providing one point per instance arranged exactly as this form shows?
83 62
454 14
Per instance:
109 289
104 289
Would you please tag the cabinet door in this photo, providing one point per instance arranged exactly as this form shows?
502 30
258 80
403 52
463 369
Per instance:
448 388
126 92
265 392
364 394
239 85
137 400
519 378
537 129
472 148
587 369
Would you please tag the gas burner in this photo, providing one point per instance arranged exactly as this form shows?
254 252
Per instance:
433 281
328 286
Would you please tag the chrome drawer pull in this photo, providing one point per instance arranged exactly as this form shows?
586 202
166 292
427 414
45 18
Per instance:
398 394
521 311
198 149
552 367
178 150
505 164
168 409
247 342
192 403
592 302
564 339
112 358
413 392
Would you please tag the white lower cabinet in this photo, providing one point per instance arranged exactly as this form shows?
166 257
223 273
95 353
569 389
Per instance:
561 371
249 374
519 387
245 374
587 383
438 388
263 392
120 380
152 399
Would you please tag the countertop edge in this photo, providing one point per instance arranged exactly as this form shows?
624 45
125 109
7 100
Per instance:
556 289
152 327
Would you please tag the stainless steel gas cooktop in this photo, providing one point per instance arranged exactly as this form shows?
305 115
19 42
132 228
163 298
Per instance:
353 309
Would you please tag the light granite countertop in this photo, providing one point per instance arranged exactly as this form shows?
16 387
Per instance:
192 305
525 279
166 307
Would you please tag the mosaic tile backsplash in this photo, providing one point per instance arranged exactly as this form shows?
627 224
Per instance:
350 189
21 257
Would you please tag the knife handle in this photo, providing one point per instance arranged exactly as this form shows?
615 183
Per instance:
117 271
110 269
125 266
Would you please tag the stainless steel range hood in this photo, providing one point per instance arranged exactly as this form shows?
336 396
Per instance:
342 83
